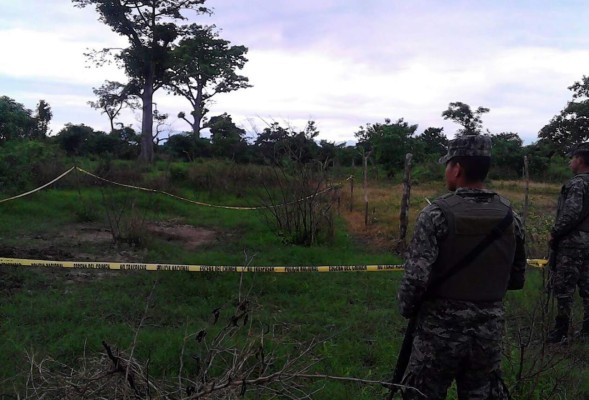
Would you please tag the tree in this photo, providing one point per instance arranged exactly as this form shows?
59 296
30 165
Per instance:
15 120
187 147
507 155
160 120
82 140
431 144
571 125
328 151
228 140
276 143
41 120
389 142
545 163
151 28
203 66
301 146
461 113
127 142
74 139
112 97
269 143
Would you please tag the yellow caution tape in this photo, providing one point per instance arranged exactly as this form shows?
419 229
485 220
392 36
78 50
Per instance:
166 193
207 204
173 195
212 268
537 262
40 187
194 268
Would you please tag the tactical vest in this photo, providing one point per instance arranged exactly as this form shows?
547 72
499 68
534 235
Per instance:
584 224
469 223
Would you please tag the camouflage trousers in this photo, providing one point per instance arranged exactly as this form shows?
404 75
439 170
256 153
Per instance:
436 361
572 270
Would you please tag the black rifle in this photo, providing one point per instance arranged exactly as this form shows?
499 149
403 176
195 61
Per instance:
405 352
552 257
551 271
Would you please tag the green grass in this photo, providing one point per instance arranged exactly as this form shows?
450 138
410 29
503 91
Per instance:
353 313
50 312
64 314
63 320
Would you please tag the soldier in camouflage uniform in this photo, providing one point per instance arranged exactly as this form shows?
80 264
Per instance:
570 240
460 320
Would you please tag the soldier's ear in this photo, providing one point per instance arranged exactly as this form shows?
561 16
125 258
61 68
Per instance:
458 169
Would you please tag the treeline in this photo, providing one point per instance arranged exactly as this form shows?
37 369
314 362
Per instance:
24 134
25 141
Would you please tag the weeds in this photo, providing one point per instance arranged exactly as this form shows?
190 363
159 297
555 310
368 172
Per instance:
301 209
352 315
235 354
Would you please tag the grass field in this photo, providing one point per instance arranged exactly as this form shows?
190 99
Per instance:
348 321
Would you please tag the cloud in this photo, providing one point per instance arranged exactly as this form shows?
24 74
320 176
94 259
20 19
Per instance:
302 84
343 64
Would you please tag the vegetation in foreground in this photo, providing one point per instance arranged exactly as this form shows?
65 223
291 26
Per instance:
59 323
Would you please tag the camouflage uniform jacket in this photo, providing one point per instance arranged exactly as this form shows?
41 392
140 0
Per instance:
444 316
574 196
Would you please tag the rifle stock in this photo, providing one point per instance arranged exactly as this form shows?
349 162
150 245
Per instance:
552 257
404 355
551 265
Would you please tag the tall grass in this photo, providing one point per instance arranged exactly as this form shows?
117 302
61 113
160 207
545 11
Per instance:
67 314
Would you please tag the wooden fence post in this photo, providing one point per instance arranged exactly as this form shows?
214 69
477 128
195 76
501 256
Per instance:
366 187
404 216
352 193
526 205
527 191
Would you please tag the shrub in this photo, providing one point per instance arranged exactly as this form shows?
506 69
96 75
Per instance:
227 177
558 170
187 147
427 172
124 173
178 173
25 164
298 210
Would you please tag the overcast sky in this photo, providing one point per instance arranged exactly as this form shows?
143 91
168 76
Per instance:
341 63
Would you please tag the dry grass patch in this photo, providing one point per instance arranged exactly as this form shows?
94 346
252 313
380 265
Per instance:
384 200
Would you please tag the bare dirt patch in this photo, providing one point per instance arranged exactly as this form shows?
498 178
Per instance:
95 242
187 235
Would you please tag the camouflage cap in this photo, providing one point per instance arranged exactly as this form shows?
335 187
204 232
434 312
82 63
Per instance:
469 146
580 148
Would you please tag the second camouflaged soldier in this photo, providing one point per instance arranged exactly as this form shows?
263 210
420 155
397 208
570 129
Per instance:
455 286
570 241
